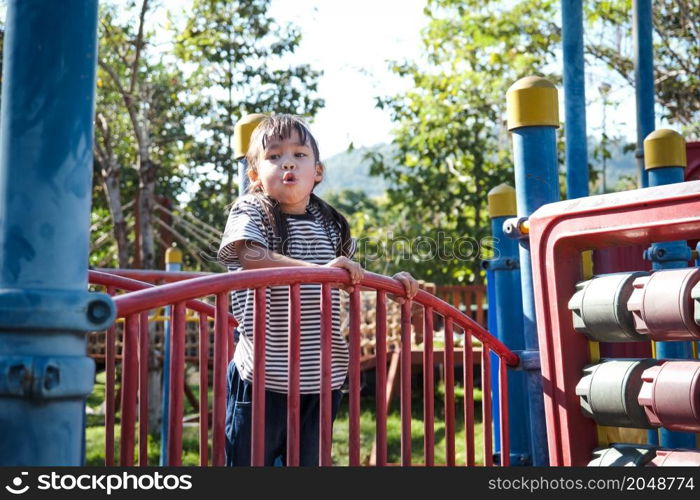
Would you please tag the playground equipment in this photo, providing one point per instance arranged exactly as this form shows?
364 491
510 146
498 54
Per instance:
45 310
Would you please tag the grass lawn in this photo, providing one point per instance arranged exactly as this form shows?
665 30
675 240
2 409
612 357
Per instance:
95 433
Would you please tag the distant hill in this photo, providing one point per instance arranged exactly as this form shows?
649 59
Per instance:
350 170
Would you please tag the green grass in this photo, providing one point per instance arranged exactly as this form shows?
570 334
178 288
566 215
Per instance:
95 432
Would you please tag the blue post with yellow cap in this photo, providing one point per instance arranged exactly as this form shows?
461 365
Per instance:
533 116
241 135
574 99
665 162
505 310
643 78
48 95
173 263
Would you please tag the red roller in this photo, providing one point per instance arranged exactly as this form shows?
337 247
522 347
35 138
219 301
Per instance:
294 377
143 389
177 383
380 384
670 395
675 458
130 376
406 383
354 413
260 332
203 390
219 380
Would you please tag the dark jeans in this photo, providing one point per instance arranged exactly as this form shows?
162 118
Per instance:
239 423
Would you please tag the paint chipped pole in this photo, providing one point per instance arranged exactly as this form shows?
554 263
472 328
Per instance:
505 292
241 135
533 116
48 95
665 162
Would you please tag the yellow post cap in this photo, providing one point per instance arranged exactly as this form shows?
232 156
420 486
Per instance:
502 201
532 102
242 132
664 148
173 255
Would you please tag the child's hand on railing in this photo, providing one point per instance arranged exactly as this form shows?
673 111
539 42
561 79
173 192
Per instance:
409 283
354 268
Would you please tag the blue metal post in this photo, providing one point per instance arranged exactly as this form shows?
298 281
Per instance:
173 263
48 92
242 132
665 162
492 326
533 116
574 99
643 78
505 311
243 181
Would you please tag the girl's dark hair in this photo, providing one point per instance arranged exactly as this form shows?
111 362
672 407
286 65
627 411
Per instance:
281 127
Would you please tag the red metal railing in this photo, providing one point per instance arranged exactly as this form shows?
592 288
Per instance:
181 295
135 371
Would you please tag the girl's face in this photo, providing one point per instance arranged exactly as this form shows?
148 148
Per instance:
288 172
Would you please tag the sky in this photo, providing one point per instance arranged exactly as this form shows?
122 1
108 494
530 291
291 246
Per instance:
352 43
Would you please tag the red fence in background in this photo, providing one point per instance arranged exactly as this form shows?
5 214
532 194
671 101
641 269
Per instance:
134 307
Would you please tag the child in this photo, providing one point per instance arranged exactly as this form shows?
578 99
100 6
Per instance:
282 223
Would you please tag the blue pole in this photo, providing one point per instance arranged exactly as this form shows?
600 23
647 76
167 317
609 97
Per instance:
492 327
665 162
503 274
574 99
533 116
643 79
243 181
173 263
46 141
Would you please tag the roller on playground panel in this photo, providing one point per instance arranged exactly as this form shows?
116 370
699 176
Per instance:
646 393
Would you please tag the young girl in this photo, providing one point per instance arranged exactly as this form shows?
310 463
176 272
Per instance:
280 223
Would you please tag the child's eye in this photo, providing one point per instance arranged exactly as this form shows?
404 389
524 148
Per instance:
300 155
273 156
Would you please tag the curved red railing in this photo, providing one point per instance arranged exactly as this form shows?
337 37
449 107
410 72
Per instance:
135 368
182 294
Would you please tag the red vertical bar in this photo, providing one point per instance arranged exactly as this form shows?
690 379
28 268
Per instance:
177 382
130 374
503 412
110 350
219 380
260 331
354 334
326 437
406 383
480 308
203 390
428 388
380 352
143 389
449 393
469 398
230 343
486 404
294 374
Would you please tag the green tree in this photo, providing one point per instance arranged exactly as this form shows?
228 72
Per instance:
236 53
450 131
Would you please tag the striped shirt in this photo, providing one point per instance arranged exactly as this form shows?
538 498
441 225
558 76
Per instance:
309 241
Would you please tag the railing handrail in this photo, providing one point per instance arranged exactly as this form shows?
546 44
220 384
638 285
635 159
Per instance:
152 297
132 286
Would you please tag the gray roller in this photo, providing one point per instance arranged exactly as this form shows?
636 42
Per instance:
599 308
623 455
608 392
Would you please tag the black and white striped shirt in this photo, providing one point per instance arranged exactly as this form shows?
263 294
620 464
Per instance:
309 241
